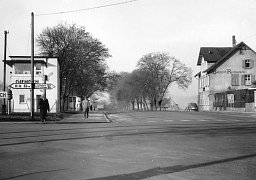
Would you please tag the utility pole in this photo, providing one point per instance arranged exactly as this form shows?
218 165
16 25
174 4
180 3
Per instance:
5 43
32 68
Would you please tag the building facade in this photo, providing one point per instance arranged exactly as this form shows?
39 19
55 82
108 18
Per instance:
46 79
226 80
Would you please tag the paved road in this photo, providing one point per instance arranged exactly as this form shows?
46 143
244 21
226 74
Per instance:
137 145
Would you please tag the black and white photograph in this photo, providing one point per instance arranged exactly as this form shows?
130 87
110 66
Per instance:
128 90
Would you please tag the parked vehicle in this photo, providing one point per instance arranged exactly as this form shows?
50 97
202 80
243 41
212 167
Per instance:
192 107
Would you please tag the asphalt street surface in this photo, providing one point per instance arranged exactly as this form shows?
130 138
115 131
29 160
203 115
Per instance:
132 146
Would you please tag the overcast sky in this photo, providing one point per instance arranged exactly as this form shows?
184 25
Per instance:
179 27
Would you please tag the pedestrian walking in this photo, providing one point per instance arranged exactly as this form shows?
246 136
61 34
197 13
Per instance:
43 105
86 107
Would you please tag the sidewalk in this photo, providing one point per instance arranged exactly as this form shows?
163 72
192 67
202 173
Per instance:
94 117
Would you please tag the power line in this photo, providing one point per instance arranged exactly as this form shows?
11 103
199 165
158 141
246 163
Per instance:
87 9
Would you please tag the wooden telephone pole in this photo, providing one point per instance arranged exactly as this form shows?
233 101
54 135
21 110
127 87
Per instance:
32 68
5 43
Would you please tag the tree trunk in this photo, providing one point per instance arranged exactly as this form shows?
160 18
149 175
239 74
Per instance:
138 104
155 104
141 103
133 105
160 104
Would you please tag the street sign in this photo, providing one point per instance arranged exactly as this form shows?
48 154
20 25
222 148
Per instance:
44 86
28 86
40 86
20 86
3 94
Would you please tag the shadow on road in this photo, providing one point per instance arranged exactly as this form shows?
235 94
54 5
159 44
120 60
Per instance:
169 169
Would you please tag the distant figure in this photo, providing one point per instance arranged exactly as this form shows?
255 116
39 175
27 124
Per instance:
86 107
44 107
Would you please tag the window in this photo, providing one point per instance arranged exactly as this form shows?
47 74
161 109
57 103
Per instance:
247 79
22 68
248 63
22 98
38 68
235 79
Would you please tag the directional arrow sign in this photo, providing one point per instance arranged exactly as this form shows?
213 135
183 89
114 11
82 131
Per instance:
28 86
44 86
40 86
50 86
20 86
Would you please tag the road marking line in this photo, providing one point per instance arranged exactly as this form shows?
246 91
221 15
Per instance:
185 120
202 120
168 120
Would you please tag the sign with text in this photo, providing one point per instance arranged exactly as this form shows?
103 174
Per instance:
44 86
28 86
3 94
229 71
20 86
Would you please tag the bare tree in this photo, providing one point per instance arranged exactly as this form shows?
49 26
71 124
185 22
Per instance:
163 70
82 59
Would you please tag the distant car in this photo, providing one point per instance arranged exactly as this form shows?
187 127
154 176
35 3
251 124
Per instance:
192 107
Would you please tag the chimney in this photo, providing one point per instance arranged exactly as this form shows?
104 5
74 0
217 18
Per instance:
233 40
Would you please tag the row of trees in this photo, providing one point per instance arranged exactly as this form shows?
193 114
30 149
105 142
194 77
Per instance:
146 87
83 69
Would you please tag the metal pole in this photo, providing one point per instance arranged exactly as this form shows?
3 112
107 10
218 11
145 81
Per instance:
32 67
5 43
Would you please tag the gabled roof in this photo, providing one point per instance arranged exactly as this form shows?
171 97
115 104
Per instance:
236 48
212 54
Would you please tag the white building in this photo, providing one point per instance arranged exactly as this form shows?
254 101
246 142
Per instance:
227 78
46 78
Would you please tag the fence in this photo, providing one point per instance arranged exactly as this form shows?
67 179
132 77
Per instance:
233 99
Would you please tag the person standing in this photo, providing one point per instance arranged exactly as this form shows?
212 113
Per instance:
86 107
43 105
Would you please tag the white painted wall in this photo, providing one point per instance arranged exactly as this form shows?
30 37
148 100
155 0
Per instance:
51 69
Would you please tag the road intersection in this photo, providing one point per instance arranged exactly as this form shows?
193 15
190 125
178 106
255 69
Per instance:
135 145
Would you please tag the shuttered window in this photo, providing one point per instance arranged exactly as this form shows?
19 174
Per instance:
247 79
235 79
248 64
